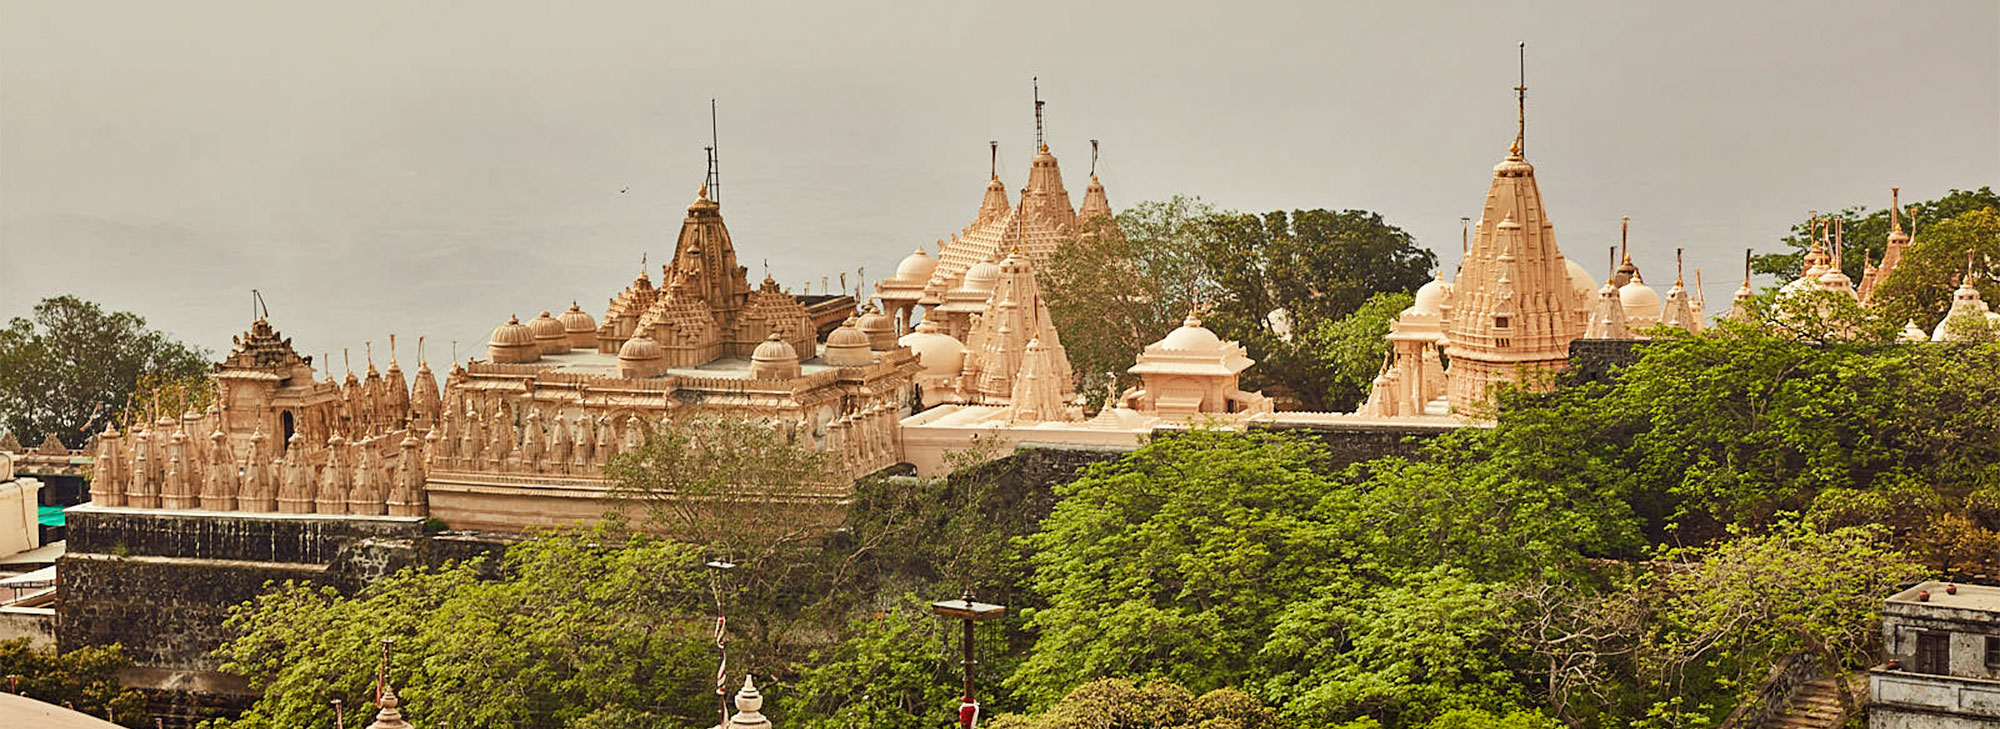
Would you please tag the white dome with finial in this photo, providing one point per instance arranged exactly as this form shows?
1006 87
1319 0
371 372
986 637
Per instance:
1642 304
1191 337
916 267
1431 297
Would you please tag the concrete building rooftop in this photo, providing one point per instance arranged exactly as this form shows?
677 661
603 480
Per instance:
1968 597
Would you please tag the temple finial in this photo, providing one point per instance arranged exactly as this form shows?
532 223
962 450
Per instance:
1521 107
1746 268
1624 238
993 158
1677 265
1093 159
1895 207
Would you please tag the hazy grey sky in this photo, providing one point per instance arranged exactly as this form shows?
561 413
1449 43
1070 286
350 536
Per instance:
431 167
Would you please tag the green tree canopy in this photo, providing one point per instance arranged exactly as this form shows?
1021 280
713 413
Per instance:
71 368
1920 289
1119 289
563 628
1269 281
1866 230
1313 265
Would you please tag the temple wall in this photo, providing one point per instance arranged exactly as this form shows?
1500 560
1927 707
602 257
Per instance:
161 583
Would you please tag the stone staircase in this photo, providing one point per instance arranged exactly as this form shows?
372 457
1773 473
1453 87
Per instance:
1815 705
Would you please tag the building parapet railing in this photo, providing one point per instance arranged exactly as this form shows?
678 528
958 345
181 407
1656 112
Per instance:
1894 687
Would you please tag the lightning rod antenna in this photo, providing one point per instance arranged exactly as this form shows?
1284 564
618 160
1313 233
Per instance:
1040 143
714 162
1521 104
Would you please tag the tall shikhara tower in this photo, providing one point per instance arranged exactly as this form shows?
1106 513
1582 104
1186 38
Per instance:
1512 309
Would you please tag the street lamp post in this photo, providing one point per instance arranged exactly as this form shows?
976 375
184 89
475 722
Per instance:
969 612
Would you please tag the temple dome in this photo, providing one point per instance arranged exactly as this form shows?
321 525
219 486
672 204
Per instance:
846 346
1431 297
937 352
1641 302
916 268
1191 337
879 328
513 343
774 359
981 277
641 357
550 335
579 326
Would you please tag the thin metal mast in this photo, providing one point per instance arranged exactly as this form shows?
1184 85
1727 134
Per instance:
1521 104
714 164
1040 143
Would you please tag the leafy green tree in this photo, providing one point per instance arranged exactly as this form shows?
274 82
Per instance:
1739 606
1117 289
1155 704
562 629
73 366
1434 641
1866 230
1352 348
1921 287
894 671
1175 562
1313 265
85 679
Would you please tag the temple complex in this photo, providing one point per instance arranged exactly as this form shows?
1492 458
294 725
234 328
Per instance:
960 278
519 440
1187 378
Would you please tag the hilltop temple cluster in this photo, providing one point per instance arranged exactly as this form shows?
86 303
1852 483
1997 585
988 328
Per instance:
961 354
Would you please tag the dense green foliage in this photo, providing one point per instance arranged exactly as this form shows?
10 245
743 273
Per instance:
73 367
1633 552
1351 349
562 628
85 679
1266 280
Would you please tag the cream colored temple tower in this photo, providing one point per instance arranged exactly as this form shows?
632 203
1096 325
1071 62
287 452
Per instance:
1514 310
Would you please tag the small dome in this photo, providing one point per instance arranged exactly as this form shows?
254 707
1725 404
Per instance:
513 343
1640 301
1431 296
937 352
774 359
916 267
982 277
847 346
549 334
582 329
1191 337
641 357
879 328
1580 280
774 349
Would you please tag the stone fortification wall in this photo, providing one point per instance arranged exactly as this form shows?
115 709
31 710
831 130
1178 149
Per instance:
161 583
